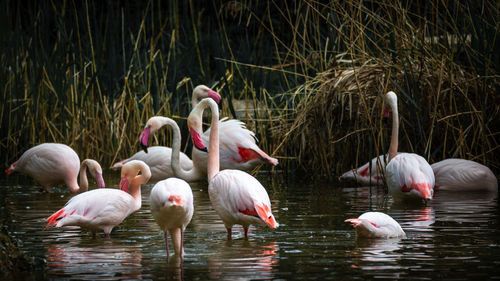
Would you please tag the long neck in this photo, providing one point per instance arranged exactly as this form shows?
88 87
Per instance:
187 175
135 185
84 183
213 148
393 148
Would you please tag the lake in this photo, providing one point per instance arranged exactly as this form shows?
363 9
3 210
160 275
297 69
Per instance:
454 237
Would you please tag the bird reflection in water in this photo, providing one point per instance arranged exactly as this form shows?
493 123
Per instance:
96 259
243 259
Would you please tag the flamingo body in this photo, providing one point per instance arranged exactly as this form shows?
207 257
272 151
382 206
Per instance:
103 209
409 175
464 175
51 164
237 147
172 208
239 198
376 225
158 159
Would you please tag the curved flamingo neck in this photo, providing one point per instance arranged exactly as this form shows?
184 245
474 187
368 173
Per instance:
213 148
393 148
84 183
135 183
187 175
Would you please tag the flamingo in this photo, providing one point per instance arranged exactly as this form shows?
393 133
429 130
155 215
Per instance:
105 208
237 197
158 157
463 175
408 175
54 163
376 225
172 208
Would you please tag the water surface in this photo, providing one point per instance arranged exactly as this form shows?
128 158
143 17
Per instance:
455 237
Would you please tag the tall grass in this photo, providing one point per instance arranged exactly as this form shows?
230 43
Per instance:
311 73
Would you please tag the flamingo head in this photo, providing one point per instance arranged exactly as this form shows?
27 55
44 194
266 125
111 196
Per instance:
202 91
154 124
96 171
134 173
194 123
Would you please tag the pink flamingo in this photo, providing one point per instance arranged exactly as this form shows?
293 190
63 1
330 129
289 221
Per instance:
172 208
237 197
376 225
158 157
105 208
55 163
407 174
464 175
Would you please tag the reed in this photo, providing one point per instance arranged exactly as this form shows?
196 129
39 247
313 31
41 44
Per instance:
307 76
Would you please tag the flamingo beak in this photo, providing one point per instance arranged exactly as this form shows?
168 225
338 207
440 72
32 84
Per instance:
143 138
124 184
354 222
100 180
387 111
197 141
214 95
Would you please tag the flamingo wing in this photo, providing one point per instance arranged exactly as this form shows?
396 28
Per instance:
410 173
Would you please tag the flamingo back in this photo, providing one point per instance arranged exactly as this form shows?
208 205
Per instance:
409 174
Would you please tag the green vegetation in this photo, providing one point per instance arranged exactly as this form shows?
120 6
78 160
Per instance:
90 73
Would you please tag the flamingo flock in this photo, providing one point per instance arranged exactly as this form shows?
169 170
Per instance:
221 155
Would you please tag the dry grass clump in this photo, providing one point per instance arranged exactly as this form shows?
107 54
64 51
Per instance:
339 125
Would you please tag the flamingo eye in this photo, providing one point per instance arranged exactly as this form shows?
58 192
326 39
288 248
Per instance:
269 217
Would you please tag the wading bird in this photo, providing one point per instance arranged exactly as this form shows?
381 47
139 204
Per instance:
172 208
237 197
408 175
55 163
105 208
463 175
376 225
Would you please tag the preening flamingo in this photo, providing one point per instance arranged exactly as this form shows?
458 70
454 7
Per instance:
463 175
55 163
407 174
158 157
237 197
105 208
172 208
376 225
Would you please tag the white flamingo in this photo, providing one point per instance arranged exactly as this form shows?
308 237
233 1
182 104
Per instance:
407 174
237 197
105 208
55 163
376 225
172 208
463 175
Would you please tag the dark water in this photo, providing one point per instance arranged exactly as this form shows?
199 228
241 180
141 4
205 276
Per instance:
455 237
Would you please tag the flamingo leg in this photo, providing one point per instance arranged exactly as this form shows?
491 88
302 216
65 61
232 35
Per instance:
182 245
246 232
229 233
165 234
